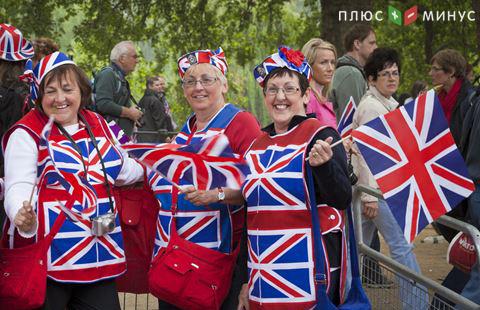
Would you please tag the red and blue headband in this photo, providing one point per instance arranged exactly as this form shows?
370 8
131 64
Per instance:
13 46
45 65
285 58
215 58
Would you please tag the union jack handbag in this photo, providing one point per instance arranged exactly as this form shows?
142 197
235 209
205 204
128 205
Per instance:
189 275
356 298
23 272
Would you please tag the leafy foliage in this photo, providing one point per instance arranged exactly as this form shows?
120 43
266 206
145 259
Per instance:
248 30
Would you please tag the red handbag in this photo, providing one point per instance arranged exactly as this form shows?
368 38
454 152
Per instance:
23 272
191 276
138 211
461 252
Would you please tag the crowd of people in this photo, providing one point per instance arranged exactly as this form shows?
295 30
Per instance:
266 230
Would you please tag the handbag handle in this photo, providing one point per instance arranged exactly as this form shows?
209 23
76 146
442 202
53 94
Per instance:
320 275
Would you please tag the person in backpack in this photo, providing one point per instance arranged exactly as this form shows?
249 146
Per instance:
15 50
349 78
113 98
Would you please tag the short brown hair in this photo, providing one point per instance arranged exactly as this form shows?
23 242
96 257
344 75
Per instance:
451 61
43 47
151 80
356 32
60 74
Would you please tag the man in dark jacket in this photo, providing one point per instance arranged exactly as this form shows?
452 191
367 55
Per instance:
349 78
113 98
155 117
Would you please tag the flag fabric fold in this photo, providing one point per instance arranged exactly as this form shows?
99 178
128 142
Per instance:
208 164
76 185
346 120
413 157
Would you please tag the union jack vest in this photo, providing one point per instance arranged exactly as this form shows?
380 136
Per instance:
211 226
76 255
281 262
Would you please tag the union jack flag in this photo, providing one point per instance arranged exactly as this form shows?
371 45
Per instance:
413 157
13 46
207 164
77 186
272 255
271 182
200 227
215 58
345 122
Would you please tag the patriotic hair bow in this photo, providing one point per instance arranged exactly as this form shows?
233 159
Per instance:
215 58
13 46
45 65
286 57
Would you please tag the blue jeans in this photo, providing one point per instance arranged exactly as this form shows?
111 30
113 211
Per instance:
400 250
471 289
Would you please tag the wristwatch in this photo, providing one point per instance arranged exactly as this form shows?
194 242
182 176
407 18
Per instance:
221 194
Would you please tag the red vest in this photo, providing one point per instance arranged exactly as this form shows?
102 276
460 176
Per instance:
75 254
280 240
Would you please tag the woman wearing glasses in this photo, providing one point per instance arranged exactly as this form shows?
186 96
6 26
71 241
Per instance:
383 72
205 87
279 223
456 96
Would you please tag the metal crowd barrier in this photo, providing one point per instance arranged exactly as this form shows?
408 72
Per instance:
158 136
130 301
405 280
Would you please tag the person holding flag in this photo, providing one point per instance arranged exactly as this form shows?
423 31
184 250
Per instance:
211 223
87 255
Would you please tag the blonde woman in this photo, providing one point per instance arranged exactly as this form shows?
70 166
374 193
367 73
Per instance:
322 57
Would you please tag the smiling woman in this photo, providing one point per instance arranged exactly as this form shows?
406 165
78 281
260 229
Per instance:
204 84
81 146
275 192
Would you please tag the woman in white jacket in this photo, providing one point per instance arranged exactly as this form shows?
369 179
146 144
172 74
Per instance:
383 72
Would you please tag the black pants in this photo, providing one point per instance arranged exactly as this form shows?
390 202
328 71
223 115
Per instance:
100 295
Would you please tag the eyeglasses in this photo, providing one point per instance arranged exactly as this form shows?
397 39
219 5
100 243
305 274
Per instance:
204 81
436 68
288 91
394 74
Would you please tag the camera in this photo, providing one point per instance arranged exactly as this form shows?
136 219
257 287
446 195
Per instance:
103 224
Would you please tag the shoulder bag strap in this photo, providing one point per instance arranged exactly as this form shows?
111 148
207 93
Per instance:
323 302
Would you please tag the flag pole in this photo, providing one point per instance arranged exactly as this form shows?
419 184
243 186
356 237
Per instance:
31 194
335 144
